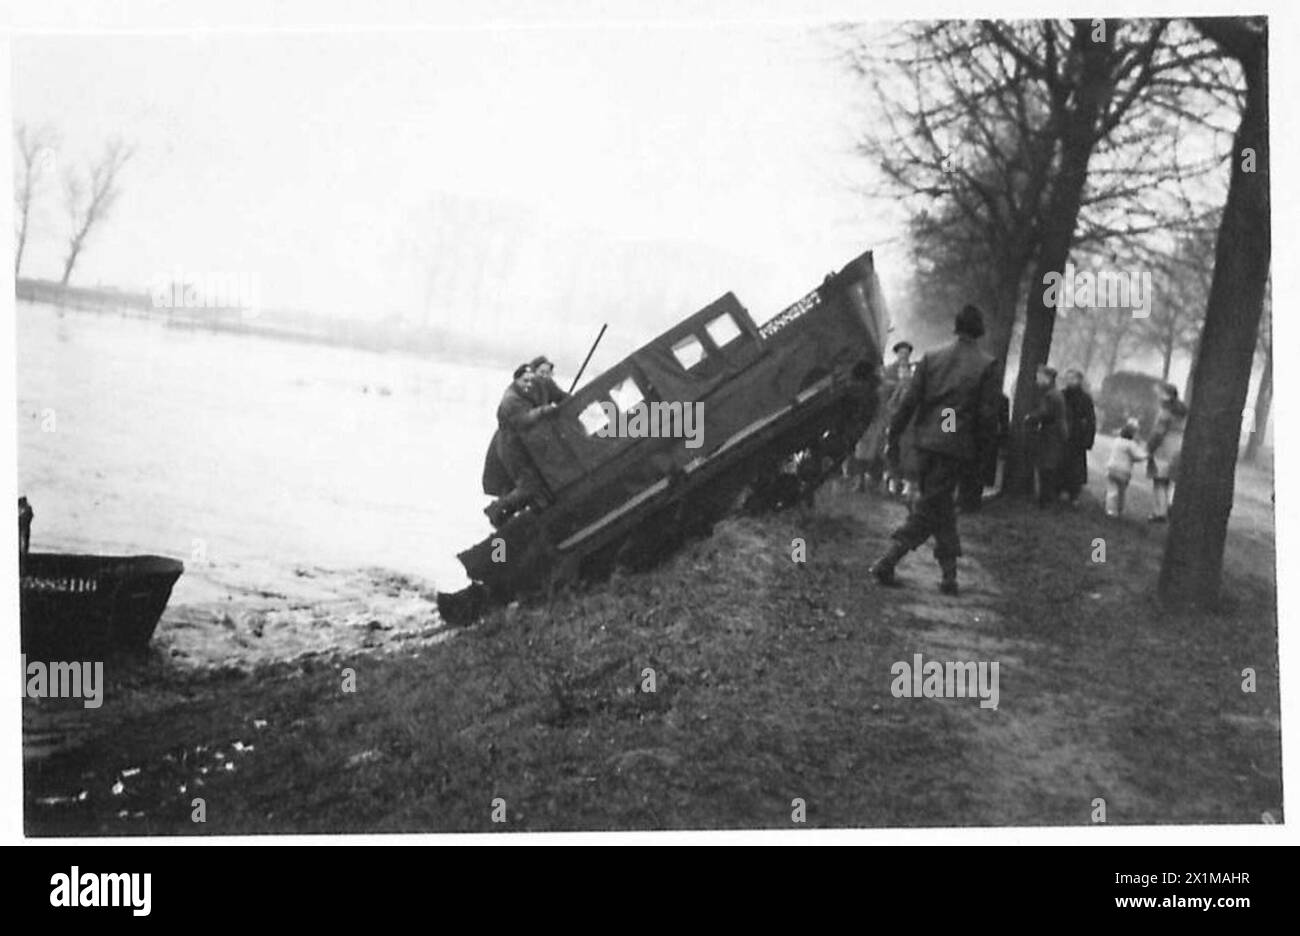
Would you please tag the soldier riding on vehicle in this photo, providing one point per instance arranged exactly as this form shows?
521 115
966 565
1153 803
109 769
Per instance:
507 473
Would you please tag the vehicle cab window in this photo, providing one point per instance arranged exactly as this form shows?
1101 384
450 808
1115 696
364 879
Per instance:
626 395
689 351
723 330
593 418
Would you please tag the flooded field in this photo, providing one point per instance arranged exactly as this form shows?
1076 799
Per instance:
316 495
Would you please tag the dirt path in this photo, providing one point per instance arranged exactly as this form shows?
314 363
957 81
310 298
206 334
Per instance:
1091 670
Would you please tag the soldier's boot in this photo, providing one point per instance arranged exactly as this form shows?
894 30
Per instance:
883 568
948 584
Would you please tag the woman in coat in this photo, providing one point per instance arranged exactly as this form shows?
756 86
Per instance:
1165 447
1050 424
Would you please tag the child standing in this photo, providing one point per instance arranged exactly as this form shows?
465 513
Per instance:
1126 453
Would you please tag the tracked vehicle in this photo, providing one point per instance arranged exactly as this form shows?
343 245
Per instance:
781 404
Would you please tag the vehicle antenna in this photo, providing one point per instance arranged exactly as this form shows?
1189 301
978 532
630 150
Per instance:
587 359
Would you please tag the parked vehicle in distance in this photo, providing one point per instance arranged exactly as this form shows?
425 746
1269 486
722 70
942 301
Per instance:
1125 395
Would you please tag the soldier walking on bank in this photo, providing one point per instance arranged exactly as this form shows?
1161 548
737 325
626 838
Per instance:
954 399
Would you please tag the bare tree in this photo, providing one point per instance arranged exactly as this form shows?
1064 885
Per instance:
949 268
1045 136
90 200
1078 338
1192 570
1082 68
1094 340
962 140
35 147
1118 334
1173 323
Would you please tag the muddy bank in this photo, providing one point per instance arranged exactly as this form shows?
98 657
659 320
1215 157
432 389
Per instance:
771 682
243 629
319 612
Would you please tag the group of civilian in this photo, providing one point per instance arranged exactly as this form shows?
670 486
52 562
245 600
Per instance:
942 426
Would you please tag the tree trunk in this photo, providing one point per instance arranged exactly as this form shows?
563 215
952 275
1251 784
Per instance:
1002 320
1192 571
1112 360
1167 353
1263 403
1190 386
1091 349
18 251
70 263
1078 138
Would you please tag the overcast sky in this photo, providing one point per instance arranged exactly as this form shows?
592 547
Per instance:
307 158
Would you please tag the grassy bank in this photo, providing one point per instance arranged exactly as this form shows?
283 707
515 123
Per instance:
772 682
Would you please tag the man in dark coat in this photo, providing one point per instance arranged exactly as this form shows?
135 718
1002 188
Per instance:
952 403
869 453
507 470
1050 423
1082 417
983 471
901 472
